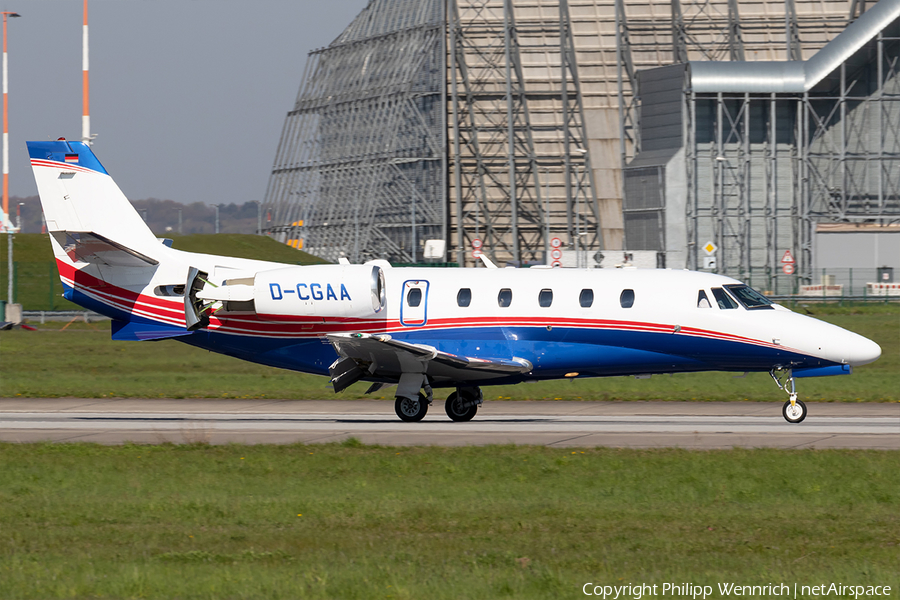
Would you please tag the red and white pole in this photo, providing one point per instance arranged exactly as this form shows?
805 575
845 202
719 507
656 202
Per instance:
86 109
8 221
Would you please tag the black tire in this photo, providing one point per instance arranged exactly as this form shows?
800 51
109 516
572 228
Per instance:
456 409
411 410
792 416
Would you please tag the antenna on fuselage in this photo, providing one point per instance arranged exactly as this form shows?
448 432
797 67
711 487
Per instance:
487 262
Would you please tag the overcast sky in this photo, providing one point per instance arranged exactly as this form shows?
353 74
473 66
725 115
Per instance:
188 97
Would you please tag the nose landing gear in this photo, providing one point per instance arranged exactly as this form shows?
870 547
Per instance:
794 410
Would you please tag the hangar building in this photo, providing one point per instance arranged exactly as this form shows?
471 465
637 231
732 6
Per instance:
603 126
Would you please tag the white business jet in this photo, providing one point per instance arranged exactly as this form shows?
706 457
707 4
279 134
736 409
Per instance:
419 328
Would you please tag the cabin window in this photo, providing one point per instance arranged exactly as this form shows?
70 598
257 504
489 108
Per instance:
749 297
545 298
414 297
723 299
702 300
464 297
626 298
586 298
504 298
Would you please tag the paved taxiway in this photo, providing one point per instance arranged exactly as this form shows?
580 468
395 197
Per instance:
617 424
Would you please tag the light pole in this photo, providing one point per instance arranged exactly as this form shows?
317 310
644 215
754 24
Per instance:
8 224
86 136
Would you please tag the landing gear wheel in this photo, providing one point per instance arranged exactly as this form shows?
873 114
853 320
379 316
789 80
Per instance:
411 410
794 414
784 378
457 409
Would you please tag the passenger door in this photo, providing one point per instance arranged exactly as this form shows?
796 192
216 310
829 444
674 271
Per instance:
414 306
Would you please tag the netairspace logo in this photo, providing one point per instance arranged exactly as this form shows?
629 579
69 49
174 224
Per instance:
694 591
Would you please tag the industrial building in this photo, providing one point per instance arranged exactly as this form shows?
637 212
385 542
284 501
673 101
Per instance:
708 134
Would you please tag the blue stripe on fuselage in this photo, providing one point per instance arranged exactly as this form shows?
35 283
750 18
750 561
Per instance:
594 353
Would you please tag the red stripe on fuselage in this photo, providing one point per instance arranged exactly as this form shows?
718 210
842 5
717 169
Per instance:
141 304
291 326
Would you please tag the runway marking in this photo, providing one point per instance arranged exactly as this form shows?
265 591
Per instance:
558 424
497 424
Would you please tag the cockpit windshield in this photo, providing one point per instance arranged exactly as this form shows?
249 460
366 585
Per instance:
724 301
750 298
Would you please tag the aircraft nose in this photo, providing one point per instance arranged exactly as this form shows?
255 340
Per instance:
861 351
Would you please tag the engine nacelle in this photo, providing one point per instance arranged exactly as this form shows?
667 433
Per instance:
320 290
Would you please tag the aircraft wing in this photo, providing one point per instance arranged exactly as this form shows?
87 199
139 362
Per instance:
380 356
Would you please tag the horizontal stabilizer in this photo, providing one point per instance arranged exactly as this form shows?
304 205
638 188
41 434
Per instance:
93 248
133 331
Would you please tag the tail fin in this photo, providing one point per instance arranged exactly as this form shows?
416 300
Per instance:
84 208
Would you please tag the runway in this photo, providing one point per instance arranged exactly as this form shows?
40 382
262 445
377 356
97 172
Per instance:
699 425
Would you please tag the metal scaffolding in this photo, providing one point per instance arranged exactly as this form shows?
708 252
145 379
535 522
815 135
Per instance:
765 169
655 33
513 122
497 186
360 170
513 190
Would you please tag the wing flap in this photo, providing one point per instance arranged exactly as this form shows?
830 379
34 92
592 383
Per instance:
380 355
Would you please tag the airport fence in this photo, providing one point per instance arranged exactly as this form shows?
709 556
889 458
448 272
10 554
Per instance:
42 316
36 287
846 285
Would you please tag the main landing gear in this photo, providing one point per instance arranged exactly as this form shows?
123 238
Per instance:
461 405
411 410
794 410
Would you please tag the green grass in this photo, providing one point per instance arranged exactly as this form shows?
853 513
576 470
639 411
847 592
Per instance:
353 521
238 245
82 361
37 285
